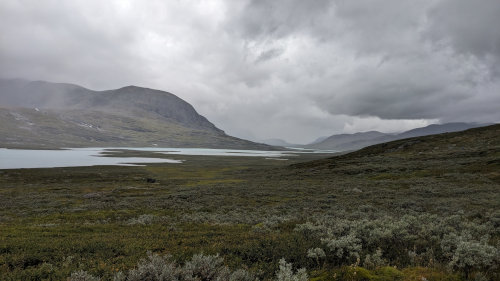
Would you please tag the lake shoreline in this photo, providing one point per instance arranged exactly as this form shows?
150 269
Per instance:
13 158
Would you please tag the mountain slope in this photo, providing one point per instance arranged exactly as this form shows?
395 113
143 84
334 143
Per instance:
318 140
442 156
43 114
278 142
438 129
345 142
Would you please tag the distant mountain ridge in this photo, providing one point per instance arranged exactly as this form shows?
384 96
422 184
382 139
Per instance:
278 142
474 151
318 140
346 142
38 113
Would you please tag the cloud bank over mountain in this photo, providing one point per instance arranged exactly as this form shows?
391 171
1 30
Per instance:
263 69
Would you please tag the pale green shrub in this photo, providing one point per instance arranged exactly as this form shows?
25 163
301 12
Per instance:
143 219
344 248
202 267
83 276
472 256
119 276
374 260
285 272
155 268
316 254
242 275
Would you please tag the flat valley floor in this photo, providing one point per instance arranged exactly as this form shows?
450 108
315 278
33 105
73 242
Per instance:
398 211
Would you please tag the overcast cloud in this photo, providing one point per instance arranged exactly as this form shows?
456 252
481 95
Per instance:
287 69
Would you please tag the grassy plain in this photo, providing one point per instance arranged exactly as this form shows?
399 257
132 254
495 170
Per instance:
407 210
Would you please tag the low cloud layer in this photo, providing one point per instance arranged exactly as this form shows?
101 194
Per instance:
286 69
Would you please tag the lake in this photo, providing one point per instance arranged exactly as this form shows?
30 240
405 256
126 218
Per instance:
75 157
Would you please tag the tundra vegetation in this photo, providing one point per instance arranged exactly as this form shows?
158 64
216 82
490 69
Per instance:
424 208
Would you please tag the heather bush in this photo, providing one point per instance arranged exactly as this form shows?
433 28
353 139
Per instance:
480 277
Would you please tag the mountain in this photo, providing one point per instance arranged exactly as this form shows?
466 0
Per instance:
318 140
278 142
346 142
442 156
44 114
439 129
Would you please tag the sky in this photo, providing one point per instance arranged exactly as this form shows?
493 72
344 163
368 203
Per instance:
289 69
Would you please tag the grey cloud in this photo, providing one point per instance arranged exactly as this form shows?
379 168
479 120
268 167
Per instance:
269 54
366 26
59 41
393 68
471 26
284 68
402 89
260 19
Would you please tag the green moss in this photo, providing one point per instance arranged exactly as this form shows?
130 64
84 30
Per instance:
431 274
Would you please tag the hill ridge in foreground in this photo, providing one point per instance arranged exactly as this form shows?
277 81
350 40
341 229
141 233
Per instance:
475 150
472 139
350 142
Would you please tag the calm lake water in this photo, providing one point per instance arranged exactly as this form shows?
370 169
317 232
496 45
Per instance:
27 158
